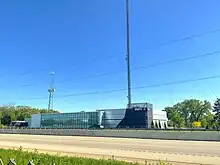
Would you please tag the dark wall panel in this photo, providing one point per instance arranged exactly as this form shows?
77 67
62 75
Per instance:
134 119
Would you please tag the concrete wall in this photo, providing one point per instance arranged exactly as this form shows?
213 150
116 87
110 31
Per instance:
169 135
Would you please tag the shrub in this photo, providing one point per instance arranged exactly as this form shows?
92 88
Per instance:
196 124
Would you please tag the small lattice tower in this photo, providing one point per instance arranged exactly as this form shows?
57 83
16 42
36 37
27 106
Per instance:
51 91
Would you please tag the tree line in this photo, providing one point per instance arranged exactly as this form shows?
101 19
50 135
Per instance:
193 113
9 113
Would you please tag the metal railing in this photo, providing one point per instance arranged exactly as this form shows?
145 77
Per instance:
12 162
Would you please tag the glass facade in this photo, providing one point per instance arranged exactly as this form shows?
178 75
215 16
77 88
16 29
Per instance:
139 116
78 120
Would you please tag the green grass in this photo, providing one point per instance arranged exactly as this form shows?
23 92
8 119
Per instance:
23 157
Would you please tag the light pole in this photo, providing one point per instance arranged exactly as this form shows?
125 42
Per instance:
128 54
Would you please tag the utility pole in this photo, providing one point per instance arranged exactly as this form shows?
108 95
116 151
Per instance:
51 91
128 54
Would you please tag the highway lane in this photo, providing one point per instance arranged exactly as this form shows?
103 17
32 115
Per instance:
177 151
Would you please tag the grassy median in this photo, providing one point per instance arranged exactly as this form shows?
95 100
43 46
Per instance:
23 158
20 157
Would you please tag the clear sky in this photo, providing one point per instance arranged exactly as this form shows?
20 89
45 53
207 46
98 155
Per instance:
80 39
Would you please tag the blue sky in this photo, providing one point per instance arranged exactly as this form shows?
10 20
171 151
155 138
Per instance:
82 38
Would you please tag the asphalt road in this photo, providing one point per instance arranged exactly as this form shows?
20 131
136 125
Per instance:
191 152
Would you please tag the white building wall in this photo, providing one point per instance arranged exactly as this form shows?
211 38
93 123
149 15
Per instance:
160 117
36 121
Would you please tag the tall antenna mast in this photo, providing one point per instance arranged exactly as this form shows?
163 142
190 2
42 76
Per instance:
128 54
51 91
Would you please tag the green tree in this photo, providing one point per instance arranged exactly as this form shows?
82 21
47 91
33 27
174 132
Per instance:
0 118
216 110
193 110
188 111
207 121
177 120
11 112
174 116
8 117
169 111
